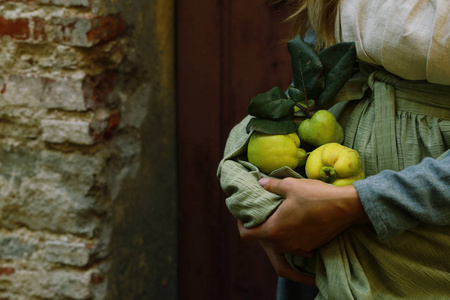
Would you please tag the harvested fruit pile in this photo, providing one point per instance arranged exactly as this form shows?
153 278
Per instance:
295 129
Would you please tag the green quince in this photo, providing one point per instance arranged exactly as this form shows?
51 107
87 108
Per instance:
321 129
270 152
335 164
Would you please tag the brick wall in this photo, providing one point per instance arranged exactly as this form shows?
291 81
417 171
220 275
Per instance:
73 98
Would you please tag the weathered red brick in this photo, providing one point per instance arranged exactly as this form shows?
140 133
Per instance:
105 28
66 93
103 128
97 88
73 3
24 1
86 32
86 132
113 122
39 33
65 30
17 29
7 271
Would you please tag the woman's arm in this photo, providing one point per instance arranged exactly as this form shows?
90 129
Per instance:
397 201
313 212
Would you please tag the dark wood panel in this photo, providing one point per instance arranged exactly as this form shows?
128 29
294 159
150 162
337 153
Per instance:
199 50
259 58
227 52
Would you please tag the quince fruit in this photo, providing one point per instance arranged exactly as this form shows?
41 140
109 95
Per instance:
321 129
270 152
334 163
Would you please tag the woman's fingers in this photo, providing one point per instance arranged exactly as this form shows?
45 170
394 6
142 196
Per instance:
275 186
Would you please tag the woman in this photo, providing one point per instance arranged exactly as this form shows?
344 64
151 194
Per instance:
387 236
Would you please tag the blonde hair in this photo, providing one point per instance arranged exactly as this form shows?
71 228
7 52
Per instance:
318 14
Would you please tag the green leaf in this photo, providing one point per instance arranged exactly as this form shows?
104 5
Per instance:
306 68
271 127
296 95
273 104
338 64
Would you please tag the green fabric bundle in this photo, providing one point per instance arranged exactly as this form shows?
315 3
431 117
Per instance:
393 124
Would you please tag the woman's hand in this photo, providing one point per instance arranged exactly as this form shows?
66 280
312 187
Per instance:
311 214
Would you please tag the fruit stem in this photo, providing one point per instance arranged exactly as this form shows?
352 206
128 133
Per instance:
304 90
303 109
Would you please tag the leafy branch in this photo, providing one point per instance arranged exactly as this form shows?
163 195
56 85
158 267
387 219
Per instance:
317 78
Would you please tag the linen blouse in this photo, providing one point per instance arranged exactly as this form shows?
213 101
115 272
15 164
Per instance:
410 39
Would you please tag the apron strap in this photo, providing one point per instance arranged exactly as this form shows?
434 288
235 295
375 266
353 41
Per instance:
385 119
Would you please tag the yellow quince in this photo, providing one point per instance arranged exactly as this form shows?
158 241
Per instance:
321 129
335 164
270 152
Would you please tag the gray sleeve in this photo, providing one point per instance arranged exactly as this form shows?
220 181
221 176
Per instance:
397 201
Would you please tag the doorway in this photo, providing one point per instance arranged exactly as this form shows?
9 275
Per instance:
228 51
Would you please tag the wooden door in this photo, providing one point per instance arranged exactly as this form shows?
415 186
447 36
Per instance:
228 51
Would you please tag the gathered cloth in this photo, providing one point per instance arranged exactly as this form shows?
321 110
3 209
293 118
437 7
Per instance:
393 123
409 38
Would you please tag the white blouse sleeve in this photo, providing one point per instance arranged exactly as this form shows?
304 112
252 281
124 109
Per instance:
409 38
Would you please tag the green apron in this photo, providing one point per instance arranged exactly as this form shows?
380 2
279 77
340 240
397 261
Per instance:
393 123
